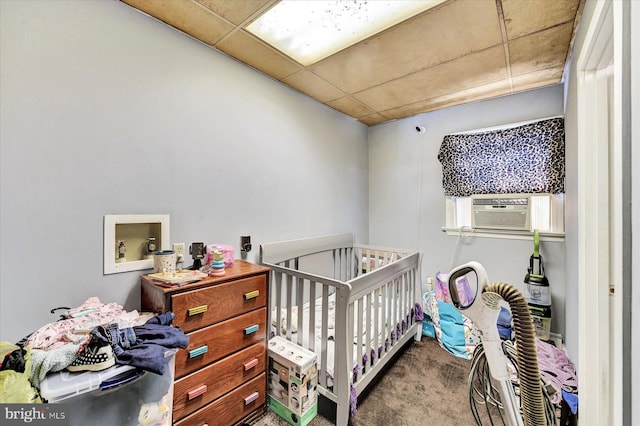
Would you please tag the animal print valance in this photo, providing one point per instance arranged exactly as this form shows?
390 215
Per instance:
528 158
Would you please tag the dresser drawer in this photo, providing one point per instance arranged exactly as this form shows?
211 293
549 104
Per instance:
231 407
200 308
200 388
217 341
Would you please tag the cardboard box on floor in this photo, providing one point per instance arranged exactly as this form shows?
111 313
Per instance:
293 381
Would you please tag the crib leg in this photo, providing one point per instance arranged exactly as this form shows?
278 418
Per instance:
342 413
418 336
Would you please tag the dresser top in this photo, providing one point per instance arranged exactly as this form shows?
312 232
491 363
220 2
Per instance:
240 269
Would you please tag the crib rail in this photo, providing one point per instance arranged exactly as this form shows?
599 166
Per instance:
370 258
388 296
279 252
294 290
373 292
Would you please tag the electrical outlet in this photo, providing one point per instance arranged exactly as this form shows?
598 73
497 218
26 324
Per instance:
179 249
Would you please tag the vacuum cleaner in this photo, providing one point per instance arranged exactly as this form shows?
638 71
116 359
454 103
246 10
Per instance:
490 379
539 297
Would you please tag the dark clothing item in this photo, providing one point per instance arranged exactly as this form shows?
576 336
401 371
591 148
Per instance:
147 356
14 361
144 346
162 335
120 338
162 319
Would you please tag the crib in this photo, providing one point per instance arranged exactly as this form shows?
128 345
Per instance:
353 305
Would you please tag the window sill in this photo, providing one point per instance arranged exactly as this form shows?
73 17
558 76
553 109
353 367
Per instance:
504 234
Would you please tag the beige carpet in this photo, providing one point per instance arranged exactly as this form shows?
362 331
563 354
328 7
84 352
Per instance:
425 386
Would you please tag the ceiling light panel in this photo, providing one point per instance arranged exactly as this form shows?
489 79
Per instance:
311 30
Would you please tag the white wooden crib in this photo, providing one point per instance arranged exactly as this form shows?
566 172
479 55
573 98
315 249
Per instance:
353 305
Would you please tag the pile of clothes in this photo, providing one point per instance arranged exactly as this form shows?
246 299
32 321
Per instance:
92 337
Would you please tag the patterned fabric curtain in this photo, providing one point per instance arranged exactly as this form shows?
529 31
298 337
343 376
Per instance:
528 158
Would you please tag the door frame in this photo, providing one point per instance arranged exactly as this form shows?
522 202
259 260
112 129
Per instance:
604 217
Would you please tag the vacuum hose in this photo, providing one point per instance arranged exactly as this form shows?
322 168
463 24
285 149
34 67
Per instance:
532 401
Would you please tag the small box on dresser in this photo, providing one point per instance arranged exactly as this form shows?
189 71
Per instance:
220 378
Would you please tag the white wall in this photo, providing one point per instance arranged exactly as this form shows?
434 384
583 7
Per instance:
406 199
106 111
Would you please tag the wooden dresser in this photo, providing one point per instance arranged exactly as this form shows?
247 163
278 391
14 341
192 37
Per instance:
220 378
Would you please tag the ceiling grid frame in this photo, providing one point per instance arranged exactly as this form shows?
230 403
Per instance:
392 74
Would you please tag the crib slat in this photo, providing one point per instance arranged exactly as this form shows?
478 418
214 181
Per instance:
344 356
376 324
358 331
324 335
394 289
385 316
300 304
410 296
344 264
312 316
396 300
278 293
289 301
401 310
368 330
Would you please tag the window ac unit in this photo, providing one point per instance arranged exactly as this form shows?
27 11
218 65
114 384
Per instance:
501 211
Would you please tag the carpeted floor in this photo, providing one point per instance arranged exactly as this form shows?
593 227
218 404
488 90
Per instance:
425 386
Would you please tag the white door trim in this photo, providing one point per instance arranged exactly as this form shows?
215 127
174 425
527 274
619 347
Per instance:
596 69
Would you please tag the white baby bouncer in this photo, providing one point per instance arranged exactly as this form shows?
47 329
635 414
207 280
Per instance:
519 402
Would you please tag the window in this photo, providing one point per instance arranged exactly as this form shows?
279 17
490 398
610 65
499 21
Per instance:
546 214
508 180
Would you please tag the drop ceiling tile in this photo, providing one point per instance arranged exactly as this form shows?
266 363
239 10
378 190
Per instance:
526 17
406 110
189 17
253 52
541 50
460 74
447 32
448 56
485 91
236 11
537 79
312 85
373 119
350 106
